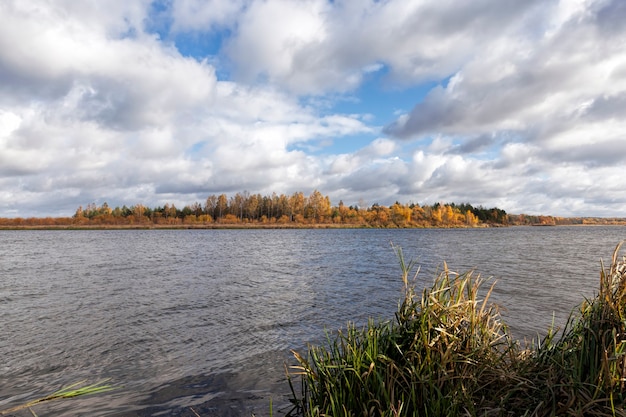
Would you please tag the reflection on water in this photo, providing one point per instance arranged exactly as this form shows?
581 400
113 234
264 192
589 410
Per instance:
206 319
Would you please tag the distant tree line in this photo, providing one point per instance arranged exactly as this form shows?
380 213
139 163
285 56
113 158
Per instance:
531 220
297 210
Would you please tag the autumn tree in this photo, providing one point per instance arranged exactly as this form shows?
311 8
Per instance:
138 212
378 215
284 208
317 207
400 215
236 205
222 206
296 205
210 204
470 218
252 205
436 214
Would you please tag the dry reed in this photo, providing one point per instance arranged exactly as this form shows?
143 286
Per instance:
448 353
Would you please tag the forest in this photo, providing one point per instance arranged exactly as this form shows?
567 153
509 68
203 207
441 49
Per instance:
296 210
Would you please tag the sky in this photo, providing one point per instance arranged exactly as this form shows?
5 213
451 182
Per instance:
513 104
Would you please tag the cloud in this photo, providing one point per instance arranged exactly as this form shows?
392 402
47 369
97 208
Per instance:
546 102
520 84
97 108
319 46
204 15
377 151
93 73
475 144
516 104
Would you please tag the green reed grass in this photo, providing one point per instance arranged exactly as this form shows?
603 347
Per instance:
585 369
71 391
448 353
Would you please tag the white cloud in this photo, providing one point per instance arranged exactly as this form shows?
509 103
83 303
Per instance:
528 110
550 88
9 122
120 113
58 38
315 47
380 147
380 151
273 38
523 83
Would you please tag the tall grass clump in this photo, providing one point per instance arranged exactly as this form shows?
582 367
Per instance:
444 354
447 352
584 371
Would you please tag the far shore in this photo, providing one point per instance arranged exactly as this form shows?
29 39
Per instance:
242 226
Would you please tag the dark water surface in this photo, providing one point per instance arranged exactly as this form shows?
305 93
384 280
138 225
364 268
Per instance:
206 318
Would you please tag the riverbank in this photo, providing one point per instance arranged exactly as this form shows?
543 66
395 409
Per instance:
221 226
295 226
96 223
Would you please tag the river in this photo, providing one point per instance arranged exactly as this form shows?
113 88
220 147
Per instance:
205 319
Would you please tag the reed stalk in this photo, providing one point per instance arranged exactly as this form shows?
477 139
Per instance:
71 391
449 353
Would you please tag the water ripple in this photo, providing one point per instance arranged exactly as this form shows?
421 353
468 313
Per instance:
207 318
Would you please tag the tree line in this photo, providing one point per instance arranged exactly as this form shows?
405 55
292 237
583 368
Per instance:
279 210
295 209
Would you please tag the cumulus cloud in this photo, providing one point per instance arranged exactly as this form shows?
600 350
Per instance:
551 95
94 106
524 104
318 46
521 84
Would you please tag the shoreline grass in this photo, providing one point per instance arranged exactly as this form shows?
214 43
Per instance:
448 352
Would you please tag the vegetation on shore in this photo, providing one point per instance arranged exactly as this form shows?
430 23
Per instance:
448 353
296 210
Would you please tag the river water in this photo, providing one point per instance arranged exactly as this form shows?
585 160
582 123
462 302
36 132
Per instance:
205 319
